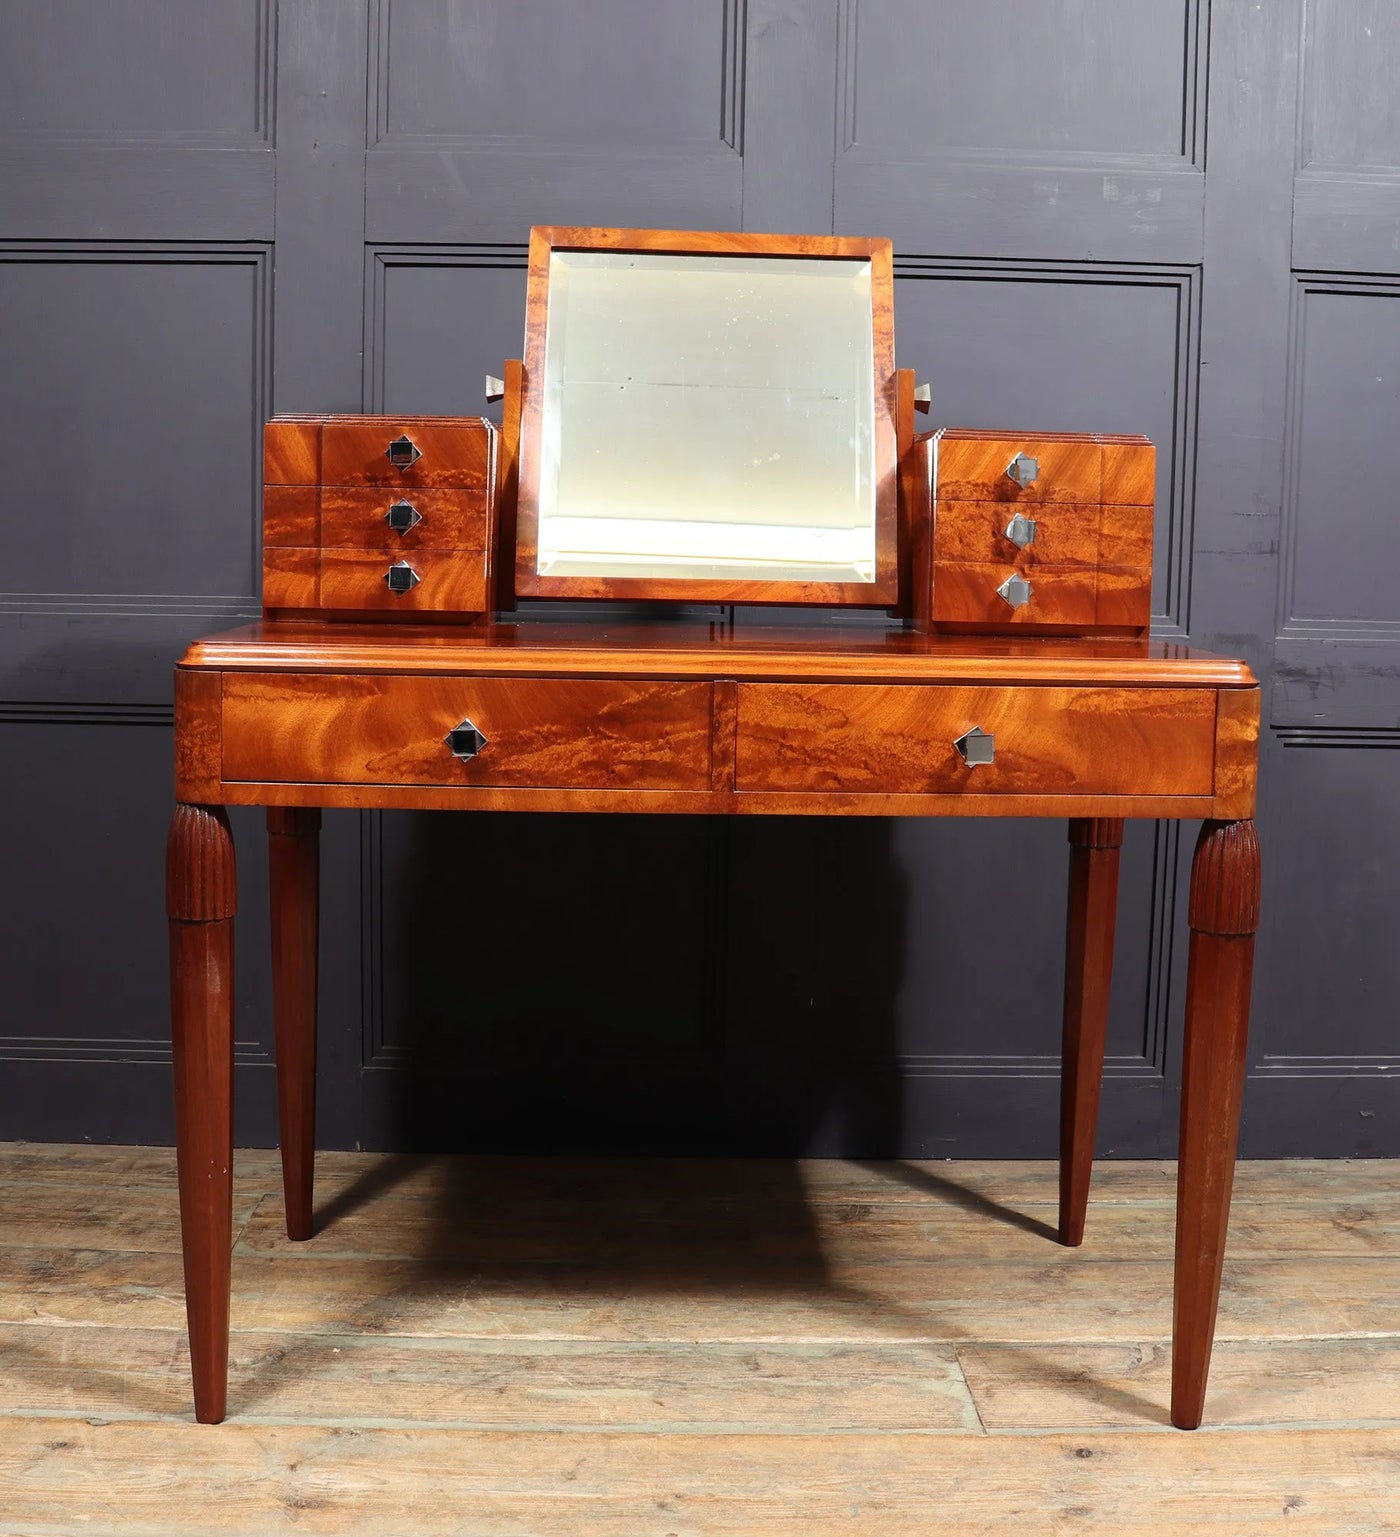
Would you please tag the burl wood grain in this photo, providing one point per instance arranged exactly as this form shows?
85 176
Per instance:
971 467
966 594
883 591
353 517
455 453
198 735
450 581
1125 535
1236 753
897 739
595 733
1224 914
1066 534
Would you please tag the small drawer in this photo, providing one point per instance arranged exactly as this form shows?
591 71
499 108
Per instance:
357 517
452 455
969 595
973 467
1060 533
537 733
902 739
435 581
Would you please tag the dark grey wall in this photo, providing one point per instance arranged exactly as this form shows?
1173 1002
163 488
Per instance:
1129 215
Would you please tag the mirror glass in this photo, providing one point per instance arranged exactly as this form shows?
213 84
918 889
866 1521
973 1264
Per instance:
708 417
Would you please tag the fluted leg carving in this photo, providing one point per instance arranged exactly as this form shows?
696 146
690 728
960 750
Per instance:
200 900
1093 912
1224 915
294 864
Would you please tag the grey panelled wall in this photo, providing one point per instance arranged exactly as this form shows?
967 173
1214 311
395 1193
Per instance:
1169 216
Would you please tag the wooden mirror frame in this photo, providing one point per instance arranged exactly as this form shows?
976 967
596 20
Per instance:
880 593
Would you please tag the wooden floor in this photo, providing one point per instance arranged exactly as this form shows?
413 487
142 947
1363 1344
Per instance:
500 1348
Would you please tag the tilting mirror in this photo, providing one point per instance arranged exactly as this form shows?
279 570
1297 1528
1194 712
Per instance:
708 417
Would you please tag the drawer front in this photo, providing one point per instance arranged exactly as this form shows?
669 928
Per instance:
453 456
899 739
972 468
1064 533
355 517
970 595
448 581
540 733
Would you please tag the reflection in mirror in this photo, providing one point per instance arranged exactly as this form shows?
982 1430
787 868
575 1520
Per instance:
708 417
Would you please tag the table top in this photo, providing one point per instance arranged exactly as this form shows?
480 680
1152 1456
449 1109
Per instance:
689 648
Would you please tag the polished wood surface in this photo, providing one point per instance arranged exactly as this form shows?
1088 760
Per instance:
354 518
1224 916
201 897
449 581
540 732
1089 564
293 856
326 543
455 454
622 648
884 591
1089 933
899 739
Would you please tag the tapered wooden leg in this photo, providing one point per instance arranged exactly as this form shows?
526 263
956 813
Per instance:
1093 912
200 900
1224 917
294 863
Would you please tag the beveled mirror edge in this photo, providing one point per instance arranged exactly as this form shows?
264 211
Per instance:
883 592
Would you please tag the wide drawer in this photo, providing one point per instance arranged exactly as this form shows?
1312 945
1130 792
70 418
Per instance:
542 733
900 739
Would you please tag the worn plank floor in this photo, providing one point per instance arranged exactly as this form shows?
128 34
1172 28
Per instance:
519 1347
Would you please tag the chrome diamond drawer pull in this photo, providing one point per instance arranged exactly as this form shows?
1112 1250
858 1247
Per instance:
1021 531
1016 590
976 747
401 578
404 515
1023 470
403 451
465 741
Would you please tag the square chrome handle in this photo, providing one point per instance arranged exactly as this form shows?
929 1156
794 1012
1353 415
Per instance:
976 747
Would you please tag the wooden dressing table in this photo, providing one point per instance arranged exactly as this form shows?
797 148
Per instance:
323 705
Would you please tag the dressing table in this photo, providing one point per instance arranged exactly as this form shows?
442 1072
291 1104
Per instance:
708 420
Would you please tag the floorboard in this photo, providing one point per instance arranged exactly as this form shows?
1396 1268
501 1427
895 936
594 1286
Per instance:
668 1348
